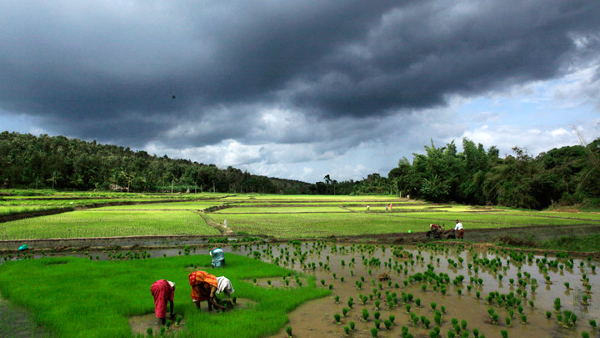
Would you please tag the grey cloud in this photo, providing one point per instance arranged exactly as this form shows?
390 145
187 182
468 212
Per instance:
109 71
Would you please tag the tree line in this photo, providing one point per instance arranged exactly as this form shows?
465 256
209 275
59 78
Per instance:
28 161
564 176
567 175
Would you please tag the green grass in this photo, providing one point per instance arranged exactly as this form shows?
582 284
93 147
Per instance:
283 216
76 297
494 220
281 210
589 243
97 223
22 209
192 205
320 198
314 225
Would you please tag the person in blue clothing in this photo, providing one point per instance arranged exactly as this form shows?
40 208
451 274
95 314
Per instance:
218 257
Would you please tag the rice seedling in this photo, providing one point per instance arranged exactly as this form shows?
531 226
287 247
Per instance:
337 318
365 315
438 319
120 296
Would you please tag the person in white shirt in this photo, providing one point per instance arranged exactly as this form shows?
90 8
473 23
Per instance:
459 229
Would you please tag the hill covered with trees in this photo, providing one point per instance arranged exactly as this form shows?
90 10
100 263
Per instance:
567 175
28 161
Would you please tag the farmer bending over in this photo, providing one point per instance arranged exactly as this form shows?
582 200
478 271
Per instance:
204 286
163 291
218 257
224 285
459 228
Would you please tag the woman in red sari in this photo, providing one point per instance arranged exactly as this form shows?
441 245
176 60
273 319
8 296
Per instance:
204 285
163 291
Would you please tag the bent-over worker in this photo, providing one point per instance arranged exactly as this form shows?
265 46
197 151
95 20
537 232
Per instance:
218 257
163 291
204 286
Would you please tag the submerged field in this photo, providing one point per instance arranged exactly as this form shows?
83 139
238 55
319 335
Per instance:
369 290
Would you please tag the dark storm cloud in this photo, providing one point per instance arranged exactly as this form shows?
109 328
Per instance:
109 70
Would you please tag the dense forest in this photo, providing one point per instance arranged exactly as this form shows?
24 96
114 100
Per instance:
27 161
568 175
565 176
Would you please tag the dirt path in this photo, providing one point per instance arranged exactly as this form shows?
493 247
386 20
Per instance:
221 227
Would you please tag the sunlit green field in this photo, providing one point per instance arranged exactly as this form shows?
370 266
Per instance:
319 198
98 223
281 216
282 210
21 209
193 205
76 297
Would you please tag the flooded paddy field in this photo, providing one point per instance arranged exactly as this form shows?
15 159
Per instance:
420 290
463 284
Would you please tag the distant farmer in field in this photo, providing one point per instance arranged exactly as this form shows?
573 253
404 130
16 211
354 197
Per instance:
459 229
218 257
204 287
163 291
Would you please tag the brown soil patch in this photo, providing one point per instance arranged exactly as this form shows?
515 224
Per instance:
140 325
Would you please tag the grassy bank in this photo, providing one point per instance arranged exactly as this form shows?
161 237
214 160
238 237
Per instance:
590 243
76 297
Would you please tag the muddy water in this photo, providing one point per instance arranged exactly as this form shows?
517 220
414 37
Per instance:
316 319
15 322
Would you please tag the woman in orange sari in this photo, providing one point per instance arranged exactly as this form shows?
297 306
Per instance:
204 285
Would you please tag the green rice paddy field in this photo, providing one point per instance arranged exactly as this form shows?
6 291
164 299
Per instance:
283 217
76 297
83 297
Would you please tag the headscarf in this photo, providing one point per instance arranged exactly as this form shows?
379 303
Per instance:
224 285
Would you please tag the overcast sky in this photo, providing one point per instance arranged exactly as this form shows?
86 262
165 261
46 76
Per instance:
300 89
